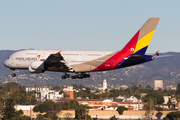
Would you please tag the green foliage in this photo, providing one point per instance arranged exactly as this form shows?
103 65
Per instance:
33 100
159 109
178 89
121 110
150 105
50 109
113 118
21 112
155 96
21 118
44 107
80 112
51 115
178 98
9 112
133 90
169 103
173 115
40 117
15 91
36 108
73 104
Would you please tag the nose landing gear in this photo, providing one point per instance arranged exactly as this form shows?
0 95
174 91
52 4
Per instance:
13 74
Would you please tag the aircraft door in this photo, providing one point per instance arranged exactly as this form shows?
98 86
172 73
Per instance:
112 62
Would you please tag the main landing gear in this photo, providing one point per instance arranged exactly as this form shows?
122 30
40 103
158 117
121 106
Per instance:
13 74
77 76
65 76
80 76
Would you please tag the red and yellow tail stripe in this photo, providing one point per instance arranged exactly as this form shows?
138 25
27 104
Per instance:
137 45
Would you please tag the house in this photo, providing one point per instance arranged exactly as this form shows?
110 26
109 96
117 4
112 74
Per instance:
36 88
43 92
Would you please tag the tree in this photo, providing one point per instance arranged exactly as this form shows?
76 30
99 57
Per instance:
155 96
173 115
121 110
140 86
21 112
9 109
149 107
178 89
149 89
73 104
40 117
9 112
107 93
178 101
81 111
49 108
169 103
159 109
29 96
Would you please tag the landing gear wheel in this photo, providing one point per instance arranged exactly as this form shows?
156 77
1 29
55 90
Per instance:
88 75
67 75
63 77
80 76
13 74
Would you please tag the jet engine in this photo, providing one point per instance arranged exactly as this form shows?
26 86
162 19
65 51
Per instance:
37 67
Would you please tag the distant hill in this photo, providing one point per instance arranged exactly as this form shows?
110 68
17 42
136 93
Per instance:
165 68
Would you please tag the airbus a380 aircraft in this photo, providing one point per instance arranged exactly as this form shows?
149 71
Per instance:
80 62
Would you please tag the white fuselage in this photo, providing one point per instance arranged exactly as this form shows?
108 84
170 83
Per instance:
22 59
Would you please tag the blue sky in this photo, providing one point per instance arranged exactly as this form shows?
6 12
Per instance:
86 25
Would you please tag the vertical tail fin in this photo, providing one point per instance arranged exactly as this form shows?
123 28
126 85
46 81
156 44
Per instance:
140 41
136 46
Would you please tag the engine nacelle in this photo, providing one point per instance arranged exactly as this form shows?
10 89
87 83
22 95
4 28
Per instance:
37 67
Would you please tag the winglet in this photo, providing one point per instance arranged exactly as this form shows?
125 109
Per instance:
157 53
59 53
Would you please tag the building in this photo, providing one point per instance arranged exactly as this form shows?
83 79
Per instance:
143 95
100 114
127 114
50 95
124 86
107 104
104 85
158 84
43 92
36 88
70 92
125 99
166 99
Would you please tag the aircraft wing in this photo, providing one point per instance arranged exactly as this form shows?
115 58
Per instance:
58 62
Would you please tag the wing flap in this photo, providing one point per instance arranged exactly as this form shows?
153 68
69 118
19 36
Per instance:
58 62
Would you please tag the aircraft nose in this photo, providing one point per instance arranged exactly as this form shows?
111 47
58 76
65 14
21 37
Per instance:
7 63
